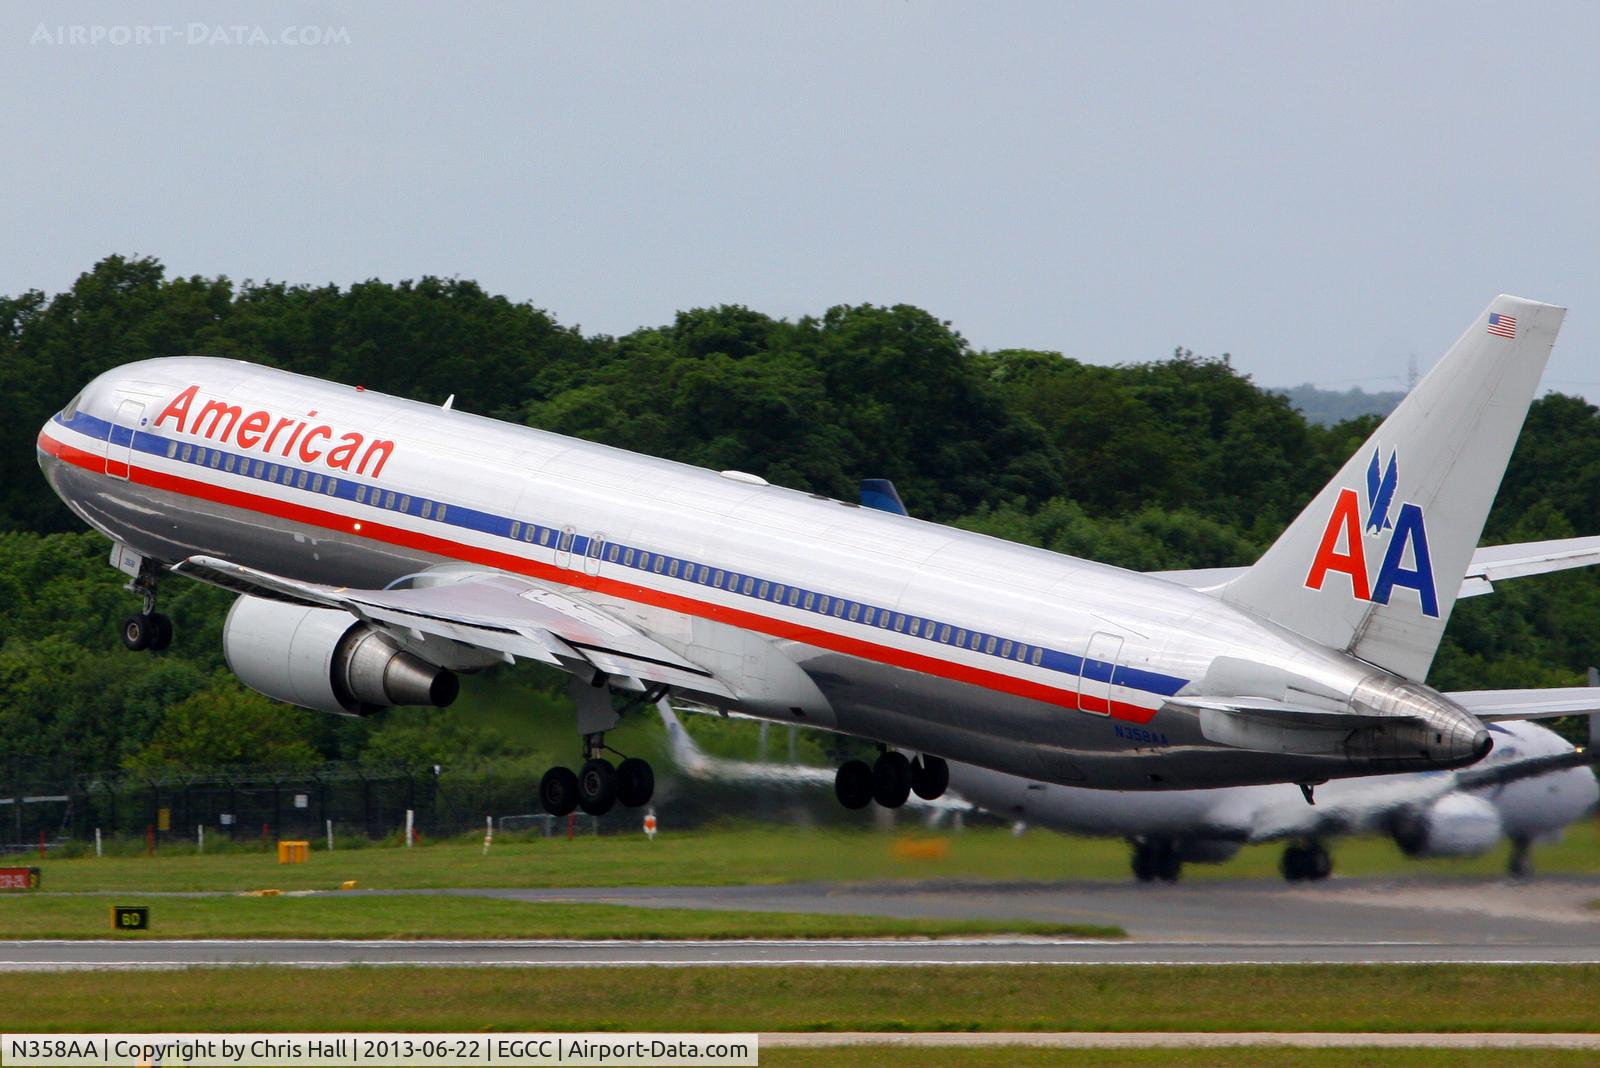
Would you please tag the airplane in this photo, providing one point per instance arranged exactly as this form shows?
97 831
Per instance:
1531 786
380 546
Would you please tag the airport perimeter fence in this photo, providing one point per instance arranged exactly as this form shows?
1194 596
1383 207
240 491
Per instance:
257 805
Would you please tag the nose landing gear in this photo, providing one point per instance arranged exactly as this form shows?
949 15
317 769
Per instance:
148 630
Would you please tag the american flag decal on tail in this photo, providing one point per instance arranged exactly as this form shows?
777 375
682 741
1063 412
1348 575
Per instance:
1502 325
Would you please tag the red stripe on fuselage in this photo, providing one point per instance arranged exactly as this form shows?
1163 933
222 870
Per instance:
455 550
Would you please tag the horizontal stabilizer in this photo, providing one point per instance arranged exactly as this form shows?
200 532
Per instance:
1493 705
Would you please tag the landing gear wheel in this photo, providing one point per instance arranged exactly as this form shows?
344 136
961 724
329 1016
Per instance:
930 777
1319 865
891 779
597 787
1295 864
636 782
1144 862
558 791
161 631
1168 864
138 631
853 784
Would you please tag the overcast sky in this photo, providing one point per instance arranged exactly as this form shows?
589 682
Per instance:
1323 190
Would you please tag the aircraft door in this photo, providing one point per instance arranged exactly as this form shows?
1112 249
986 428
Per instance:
564 547
593 556
119 438
1094 677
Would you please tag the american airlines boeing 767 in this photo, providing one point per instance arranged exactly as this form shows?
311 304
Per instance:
379 546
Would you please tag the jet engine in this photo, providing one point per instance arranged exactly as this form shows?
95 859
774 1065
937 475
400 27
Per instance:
326 659
1456 825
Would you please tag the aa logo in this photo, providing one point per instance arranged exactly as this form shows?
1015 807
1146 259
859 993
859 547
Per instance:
1402 538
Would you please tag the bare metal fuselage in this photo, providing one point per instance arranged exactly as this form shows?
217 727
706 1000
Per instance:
917 635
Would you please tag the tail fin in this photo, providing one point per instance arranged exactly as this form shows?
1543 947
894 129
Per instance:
1374 562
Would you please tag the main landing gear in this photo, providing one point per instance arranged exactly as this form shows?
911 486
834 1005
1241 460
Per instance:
1306 863
598 785
148 630
1156 858
890 780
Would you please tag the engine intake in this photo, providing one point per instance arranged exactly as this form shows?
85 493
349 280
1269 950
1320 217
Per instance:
322 658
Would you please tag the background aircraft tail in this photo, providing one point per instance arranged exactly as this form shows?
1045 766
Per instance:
1374 563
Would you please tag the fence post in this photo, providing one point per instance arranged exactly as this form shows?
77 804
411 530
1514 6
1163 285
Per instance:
200 837
330 834
97 842
410 823
488 833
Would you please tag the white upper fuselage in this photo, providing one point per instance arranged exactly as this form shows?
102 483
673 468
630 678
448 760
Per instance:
918 635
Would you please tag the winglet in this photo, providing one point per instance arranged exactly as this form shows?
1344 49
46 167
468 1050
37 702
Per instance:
880 493
1374 563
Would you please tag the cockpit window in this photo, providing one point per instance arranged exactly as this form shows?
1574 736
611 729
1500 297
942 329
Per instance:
72 407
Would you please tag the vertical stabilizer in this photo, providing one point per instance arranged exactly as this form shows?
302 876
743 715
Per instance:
1374 562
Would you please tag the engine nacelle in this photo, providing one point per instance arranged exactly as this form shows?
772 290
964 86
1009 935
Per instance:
1456 825
323 658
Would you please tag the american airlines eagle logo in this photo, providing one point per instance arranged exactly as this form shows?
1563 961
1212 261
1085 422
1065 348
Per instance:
1402 538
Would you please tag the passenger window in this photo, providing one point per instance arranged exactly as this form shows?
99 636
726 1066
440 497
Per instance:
216 458
627 558
811 601
794 596
1005 649
188 451
333 491
405 504
566 541
544 535
440 514
172 449
916 627
989 644
672 569
777 593
855 611
316 483
661 564
761 590
388 500
1038 657
749 585
644 560
716 579
944 632
227 463
427 509
611 553
301 479
516 529
961 639
900 623
824 605
200 457
261 469
866 616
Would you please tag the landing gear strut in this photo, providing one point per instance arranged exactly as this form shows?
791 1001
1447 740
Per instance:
1520 866
598 785
148 630
1309 862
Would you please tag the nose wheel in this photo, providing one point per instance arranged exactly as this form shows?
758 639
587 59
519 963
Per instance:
150 631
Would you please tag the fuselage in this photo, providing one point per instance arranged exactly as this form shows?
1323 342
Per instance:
1211 824
917 635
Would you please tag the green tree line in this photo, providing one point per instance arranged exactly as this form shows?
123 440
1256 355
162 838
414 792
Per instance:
1177 462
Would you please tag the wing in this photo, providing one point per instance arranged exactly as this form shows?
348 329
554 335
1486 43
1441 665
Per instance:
487 611
1489 565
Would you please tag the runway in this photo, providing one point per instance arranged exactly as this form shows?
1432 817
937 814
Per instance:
1346 921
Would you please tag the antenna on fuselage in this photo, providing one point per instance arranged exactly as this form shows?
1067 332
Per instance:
449 403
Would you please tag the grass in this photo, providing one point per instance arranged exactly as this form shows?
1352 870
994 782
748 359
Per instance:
418 916
733 855
1400 998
